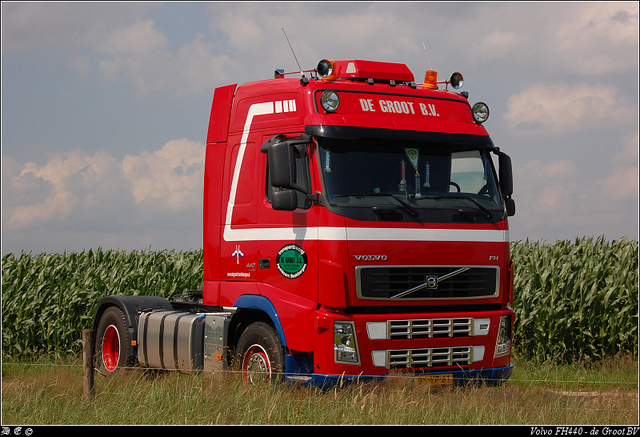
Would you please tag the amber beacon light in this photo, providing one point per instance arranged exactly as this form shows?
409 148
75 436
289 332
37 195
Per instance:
430 80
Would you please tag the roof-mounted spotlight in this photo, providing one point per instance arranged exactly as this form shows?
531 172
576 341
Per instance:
326 69
456 80
480 112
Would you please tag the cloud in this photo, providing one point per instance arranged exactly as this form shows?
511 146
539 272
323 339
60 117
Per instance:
77 192
243 30
64 179
138 38
140 51
560 198
80 64
128 47
540 41
173 174
529 41
555 170
57 25
563 108
622 183
587 39
597 38
254 31
545 187
500 44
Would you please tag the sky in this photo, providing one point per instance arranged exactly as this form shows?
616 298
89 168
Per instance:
105 105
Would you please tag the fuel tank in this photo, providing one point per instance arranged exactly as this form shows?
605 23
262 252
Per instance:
182 341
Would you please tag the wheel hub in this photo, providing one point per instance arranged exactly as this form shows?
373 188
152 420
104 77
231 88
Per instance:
256 368
111 348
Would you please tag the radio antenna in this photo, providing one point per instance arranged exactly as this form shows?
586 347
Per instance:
294 53
425 51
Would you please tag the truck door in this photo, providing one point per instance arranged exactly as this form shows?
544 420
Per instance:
288 248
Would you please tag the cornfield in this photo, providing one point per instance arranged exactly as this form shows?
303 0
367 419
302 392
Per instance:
48 299
574 300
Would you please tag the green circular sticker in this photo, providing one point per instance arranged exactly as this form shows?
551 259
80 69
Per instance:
291 261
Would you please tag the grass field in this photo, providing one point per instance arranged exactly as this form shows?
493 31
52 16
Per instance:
537 394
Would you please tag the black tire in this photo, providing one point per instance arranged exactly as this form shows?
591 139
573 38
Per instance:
260 354
112 338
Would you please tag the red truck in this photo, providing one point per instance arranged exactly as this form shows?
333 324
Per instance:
355 226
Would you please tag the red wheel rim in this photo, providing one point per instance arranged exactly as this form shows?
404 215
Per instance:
256 367
111 348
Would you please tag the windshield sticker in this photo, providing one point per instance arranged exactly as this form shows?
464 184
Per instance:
291 261
327 162
413 155
427 182
403 177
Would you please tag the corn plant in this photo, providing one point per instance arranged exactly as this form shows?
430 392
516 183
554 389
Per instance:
576 300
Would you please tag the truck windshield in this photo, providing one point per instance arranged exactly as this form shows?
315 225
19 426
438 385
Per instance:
412 175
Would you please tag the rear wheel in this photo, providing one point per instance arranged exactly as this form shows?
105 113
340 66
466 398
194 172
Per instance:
260 354
112 339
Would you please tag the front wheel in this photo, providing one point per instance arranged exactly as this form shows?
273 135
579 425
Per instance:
260 354
112 339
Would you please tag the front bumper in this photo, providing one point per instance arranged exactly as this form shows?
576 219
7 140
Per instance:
492 376
461 346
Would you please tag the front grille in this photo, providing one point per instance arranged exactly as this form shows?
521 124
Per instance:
429 357
429 328
426 282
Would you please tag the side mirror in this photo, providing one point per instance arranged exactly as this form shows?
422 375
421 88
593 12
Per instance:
511 206
285 200
281 158
282 165
506 175
284 158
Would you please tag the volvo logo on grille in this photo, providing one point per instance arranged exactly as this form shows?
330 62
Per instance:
432 282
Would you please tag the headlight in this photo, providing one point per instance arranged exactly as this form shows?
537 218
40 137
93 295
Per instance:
503 342
480 112
329 101
344 343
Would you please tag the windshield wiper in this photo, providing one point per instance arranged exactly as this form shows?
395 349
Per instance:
485 210
409 208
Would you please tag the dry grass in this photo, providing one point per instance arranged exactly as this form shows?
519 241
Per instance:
52 394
